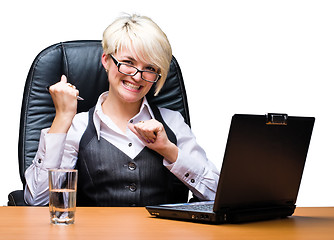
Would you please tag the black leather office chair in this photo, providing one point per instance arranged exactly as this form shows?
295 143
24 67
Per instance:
80 61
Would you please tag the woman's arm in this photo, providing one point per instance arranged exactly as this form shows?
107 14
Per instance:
56 150
187 160
52 143
192 166
49 155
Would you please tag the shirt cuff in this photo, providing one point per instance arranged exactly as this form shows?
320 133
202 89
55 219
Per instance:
50 149
188 172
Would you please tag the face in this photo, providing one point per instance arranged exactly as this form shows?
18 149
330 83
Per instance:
128 89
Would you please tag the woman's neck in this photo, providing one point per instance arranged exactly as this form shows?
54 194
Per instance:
120 112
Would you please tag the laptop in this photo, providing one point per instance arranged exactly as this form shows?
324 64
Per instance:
260 175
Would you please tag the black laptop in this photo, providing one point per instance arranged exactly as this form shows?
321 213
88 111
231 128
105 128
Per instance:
260 175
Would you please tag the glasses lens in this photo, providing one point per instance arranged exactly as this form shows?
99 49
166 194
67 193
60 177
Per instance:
149 76
127 69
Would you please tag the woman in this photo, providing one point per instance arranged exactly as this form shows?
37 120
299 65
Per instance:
127 152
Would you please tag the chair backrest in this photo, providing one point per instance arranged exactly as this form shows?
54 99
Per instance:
80 61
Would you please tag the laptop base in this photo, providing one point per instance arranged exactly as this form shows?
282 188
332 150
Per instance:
224 216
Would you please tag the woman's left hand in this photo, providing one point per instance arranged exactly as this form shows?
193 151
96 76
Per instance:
154 136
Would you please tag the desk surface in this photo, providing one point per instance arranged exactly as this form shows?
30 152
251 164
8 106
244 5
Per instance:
136 223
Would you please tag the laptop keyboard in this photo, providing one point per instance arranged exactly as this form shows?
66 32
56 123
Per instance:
195 207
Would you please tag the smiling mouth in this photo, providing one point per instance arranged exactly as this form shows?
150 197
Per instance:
131 86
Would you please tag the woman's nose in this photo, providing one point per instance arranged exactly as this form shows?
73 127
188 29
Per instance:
137 76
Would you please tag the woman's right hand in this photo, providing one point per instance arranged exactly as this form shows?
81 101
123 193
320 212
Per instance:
64 97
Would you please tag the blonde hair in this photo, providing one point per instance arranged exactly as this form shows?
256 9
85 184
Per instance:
142 36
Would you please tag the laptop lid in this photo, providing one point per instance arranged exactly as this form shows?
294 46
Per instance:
261 171
264 161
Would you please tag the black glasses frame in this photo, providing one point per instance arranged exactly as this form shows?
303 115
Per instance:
119 64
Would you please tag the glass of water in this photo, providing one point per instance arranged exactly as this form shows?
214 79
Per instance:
62 195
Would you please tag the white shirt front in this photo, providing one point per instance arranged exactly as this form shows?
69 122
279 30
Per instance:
61 151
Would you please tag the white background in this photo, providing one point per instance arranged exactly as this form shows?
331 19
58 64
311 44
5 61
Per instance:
236 56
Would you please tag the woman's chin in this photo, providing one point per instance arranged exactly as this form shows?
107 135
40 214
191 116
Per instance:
131 97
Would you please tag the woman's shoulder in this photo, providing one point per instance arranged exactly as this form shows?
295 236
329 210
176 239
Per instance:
168 112
176 123
170 116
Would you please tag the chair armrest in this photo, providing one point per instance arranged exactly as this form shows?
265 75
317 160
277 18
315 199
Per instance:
16 198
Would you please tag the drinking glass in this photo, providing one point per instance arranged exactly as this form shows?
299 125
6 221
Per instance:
62 195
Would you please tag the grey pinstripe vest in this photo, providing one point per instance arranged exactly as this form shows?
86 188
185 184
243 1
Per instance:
108 177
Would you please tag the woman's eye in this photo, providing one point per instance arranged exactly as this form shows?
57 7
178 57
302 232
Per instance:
152 69
128 62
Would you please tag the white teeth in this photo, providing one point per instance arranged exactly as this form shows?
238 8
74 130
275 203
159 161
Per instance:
130 85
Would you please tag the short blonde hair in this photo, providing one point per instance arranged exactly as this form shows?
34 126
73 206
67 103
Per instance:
142 36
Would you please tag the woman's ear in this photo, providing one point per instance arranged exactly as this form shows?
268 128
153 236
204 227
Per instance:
105 61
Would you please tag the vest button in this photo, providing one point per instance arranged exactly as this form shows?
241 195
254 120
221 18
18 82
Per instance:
132 187
132 166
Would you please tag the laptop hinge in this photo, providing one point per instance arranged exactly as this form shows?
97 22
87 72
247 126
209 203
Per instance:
276 119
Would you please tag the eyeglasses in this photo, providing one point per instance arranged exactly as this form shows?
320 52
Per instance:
130 70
